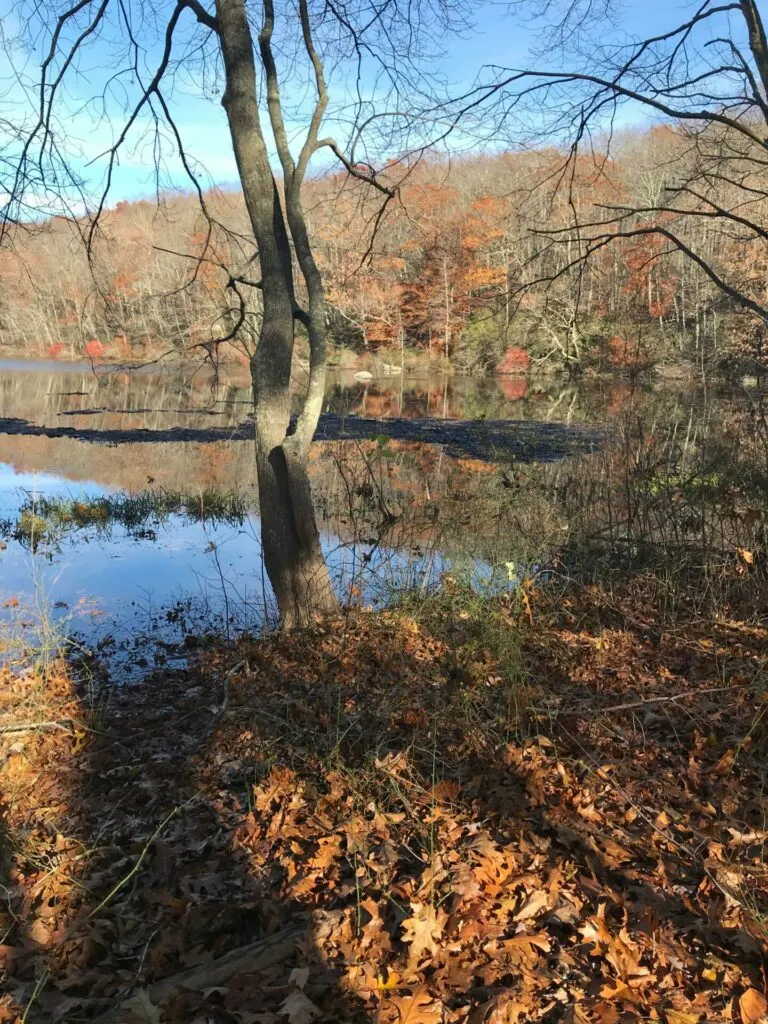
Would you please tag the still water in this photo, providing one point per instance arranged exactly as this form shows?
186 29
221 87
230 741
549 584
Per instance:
136 592
135 587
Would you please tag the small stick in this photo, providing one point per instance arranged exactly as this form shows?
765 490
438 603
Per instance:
663 700
67 724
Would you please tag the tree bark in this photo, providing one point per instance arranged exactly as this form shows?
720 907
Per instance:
292 554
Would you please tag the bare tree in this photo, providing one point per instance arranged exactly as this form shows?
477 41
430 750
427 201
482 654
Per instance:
707 80
268 59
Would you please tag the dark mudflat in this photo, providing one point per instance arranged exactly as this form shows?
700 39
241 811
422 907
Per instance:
490 440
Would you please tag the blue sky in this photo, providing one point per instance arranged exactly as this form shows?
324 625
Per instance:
500 38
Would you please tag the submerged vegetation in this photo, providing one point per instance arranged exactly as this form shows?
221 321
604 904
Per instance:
47 521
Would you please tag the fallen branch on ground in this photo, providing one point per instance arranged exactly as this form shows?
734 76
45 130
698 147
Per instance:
256 956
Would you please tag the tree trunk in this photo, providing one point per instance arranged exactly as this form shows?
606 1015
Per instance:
292 554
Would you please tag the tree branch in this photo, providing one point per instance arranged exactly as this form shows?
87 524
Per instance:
354 169
204 17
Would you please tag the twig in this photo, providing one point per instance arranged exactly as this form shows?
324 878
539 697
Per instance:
61 723
225 689
663 700
134 870
39 986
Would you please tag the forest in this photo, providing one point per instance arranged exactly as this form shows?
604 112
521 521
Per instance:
453 275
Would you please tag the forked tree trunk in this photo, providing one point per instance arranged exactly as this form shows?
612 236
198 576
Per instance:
292 554
293 557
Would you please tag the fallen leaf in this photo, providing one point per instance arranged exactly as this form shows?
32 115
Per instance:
391 981
373 932
422 930
620 951
445 791
523 947
752 1006
40 933
508 1008
141 1007
419 1008
299 1009
299 977
494 866
536 901
680 1017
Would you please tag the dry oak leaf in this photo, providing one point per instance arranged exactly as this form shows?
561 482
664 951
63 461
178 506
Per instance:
374 932
606 1013
493 866
506 1008
537 901
620 951
576 1014
328 851
419 1008
299 977
423 930
299 1009
522 948
40 933
617 990
445 791
752 1006
141 1008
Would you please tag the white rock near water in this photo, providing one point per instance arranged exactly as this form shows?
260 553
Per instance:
384 370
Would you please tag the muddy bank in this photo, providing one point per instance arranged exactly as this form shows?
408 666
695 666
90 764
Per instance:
490 440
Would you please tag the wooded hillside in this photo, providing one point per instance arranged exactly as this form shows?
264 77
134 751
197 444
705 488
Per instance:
467 264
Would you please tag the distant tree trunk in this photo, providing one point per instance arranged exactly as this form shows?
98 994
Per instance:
448 300
292 554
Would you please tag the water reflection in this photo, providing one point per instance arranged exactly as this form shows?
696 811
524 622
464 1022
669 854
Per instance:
392 515
52 394
136 590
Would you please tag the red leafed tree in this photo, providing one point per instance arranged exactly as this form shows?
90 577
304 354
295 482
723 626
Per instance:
651 283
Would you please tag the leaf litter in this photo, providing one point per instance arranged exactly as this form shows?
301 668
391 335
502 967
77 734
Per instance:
384 820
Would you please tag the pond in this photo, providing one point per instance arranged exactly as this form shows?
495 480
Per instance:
133 547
